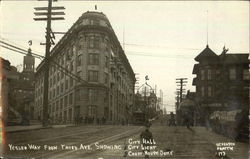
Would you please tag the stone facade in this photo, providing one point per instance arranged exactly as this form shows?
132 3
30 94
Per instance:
92 52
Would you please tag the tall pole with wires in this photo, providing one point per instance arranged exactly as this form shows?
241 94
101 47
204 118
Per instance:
49 40
182 82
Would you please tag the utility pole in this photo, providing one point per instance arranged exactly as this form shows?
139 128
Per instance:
182 82
49 40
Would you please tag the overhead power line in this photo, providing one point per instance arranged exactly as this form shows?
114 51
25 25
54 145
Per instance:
18 45
160 46
147 54
61 68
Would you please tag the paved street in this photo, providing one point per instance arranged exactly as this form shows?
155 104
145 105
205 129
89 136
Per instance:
81 142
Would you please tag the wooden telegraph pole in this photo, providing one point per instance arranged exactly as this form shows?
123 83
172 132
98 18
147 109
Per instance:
182 82
47 12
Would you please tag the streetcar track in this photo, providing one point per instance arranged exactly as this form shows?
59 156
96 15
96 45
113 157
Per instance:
63 136
34 153
39 155
89 142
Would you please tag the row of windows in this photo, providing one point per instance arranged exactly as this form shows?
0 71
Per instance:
207 74
233 74
121 80
93 60
61 116
62 103
206 92
94 22
68 114
93 76
59 89
92 95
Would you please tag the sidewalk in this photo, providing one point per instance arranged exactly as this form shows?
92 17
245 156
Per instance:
10 129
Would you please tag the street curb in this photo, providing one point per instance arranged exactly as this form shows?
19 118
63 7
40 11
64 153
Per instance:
39 128
23 130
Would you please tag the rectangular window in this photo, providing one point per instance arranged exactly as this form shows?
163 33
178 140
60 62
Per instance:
71 82
92 111
93 59
79 60
54 92
78 95
62 87
94 42
202 91
94 22
209 74
53 107
209 91
91 42
106 61
57 105
202 74
54 79
49 109
71 99
106 76
58 76
106 44
66 84
93 95
71 66
81 43
49 94
93 76
232 74
68 54
50 82
57 90
61 103
246 75
66 101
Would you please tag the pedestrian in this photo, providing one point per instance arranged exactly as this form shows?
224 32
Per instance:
80 120
187 122
146 138
76 120
97 120
103 120
86 120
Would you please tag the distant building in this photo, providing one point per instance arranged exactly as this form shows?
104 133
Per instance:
18 89
146 101
7 73
222 81
90 50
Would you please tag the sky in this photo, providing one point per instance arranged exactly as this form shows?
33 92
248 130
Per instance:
160 38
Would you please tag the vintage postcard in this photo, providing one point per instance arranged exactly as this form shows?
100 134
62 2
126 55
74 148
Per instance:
124 79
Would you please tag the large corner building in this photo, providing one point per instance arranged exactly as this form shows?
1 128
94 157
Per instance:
90 50
222 81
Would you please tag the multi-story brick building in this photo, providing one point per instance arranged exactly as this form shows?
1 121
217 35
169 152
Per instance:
222 81
90 50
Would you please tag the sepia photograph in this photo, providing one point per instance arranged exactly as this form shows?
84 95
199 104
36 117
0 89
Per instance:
124 79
